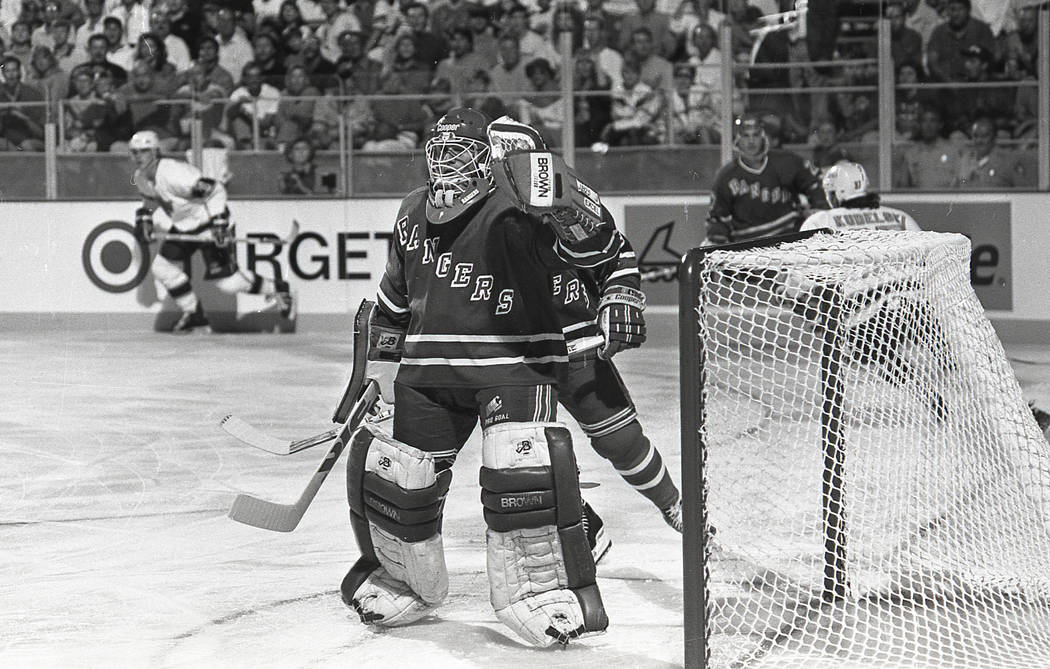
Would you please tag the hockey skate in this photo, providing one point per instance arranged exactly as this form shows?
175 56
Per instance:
673 515
594 527
191 321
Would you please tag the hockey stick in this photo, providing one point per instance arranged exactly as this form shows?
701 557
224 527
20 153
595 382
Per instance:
208 239
670 272
279 517
249 434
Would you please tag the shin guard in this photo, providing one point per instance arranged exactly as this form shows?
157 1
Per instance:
396 502
541 573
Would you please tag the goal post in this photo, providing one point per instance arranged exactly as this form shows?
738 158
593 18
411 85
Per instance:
863 484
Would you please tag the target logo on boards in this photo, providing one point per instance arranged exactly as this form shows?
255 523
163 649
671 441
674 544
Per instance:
114 257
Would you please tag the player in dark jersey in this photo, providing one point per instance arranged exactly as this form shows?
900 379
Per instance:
464 310
758 194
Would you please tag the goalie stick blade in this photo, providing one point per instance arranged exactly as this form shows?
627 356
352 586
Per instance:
277 517
359 364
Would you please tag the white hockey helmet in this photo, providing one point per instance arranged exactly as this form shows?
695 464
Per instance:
457 153
845 181
144 139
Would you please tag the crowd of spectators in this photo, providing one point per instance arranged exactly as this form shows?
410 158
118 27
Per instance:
265 74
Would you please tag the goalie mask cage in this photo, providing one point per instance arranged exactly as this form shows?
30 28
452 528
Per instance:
864 483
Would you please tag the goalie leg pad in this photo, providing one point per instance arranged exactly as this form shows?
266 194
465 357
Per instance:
396 503
541 573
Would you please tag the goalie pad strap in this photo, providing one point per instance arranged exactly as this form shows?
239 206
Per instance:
623 295
410 515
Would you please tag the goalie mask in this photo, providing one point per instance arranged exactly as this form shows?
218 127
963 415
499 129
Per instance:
750 141
845 181
457 154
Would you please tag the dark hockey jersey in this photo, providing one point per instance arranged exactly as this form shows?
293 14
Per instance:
579 292
474 294
748 204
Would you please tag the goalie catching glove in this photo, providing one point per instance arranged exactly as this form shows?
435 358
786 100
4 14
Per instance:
542 185
620 319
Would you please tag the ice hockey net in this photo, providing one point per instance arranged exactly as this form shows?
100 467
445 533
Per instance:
876 490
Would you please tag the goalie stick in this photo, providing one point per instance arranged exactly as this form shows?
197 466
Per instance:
207 238
278 517
249 434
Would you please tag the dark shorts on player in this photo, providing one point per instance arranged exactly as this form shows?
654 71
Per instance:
219 262
594 394
440 420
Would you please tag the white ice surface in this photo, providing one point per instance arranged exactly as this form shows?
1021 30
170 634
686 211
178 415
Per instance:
115 550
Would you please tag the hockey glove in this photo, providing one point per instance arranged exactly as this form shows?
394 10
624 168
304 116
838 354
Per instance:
221 230
144 224
620 320
542 185
385 343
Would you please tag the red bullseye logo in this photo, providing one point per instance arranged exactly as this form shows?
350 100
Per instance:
114 258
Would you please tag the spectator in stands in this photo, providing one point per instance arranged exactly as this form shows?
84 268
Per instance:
365 72
905 43
117 50
267 56
178 51
543 108
949 41
208 100
985 164
311 11
1022 45
909 92
48 77
690 15
694 115
450 15
406 114
483 34
289 17
302 177
609 22
186 23
21 45
827 146
98 47
63 48
235 51
208 60
320 69
336 22
84 113
291 46
479 96
967 104
567 19
508 78
409 72
41 35
592 106
636 109
856 116
22 126
353 109
295 111
430 47
253 109
922 16
134 19
530 44
658 26
140 99
741 17
462 62
933 161
387 138
706 58
94 13
656 71
608 60
151 49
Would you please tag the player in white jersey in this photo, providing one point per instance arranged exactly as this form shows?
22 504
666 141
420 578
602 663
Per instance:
197 206
846 187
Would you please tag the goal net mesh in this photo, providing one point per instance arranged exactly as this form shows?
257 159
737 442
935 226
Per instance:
877 490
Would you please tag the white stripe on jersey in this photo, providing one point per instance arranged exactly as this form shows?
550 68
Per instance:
484 362
481 339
